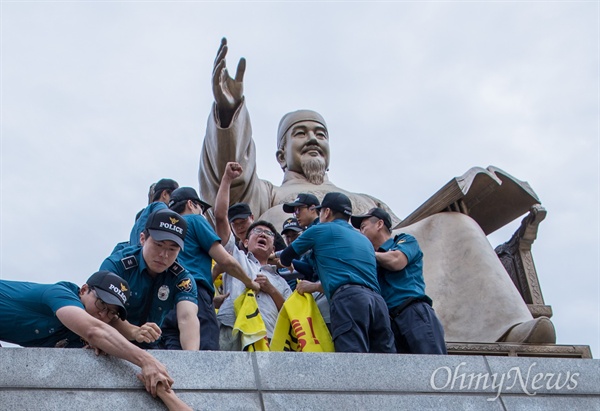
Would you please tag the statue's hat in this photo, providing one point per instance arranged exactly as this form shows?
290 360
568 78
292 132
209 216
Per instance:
294 117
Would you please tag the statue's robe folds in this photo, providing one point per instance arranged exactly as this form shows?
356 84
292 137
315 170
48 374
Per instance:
473 296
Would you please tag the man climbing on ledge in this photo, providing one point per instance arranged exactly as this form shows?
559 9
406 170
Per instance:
64 315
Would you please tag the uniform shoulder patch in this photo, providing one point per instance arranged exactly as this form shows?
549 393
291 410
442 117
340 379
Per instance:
129 262
401 238
185 285
176 269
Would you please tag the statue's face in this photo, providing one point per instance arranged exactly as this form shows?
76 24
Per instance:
305 141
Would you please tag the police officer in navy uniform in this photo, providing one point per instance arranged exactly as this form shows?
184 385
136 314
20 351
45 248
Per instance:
158 282
416 328
304 209
159 196
33 308
240 218
64 315
291 230
347 269
202 246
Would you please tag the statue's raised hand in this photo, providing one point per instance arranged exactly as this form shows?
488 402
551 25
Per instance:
228 92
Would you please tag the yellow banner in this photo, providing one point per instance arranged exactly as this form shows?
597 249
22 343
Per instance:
249 322
300 327
217 283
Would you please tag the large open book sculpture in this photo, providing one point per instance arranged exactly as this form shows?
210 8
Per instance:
489 300
491 197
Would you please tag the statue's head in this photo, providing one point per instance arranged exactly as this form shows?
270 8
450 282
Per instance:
303 144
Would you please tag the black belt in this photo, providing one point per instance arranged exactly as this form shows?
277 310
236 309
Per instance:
395 312
343 287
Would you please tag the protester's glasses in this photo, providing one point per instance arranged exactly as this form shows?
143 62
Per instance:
259 231
103 308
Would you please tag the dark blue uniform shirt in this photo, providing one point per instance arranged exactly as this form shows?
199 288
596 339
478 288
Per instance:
28 313
200 237
341 254
161 293
397 286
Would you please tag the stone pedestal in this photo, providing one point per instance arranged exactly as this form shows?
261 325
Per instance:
63 379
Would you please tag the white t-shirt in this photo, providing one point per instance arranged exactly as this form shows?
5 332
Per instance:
235 288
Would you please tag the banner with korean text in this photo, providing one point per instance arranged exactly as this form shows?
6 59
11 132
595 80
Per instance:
300 327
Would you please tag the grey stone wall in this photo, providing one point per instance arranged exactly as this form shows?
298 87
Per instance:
66 379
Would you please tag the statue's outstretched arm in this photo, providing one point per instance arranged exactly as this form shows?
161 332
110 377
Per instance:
228 92
229 138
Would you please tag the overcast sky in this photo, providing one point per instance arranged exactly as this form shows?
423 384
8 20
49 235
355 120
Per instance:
100 99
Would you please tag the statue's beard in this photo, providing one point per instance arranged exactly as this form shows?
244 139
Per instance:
314 169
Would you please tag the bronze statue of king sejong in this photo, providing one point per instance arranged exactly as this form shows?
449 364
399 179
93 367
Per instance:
474 296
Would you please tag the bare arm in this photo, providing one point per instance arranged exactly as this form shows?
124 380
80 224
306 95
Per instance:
148 332
171 400
309 287
231 266
218 300
104 337
189 326
232 171
216 271
267 287
393 260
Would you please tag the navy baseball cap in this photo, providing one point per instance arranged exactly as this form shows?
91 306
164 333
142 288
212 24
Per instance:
337 202
165 184
380 213
303 199
185 194
238 210
291 224
157 188
165 224
111 289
